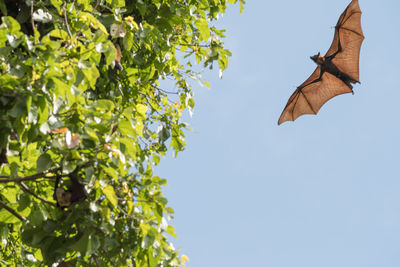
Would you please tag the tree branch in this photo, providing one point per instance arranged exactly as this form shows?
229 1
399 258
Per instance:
66 20
97 4
193 45
13 212
26 189
94 256
8 179
165 91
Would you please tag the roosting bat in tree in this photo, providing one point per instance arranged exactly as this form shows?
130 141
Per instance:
118 58
336 71
75 193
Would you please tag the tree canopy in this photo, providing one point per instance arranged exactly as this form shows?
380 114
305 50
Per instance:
83 108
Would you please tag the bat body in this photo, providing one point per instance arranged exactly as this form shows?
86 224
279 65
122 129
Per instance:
326 65
335 72
75 193
118 58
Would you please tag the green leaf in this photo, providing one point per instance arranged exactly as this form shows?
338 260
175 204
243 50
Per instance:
242 2
148 240
156 159
170 230
86 5
109 51
125 127
11 24
38 255
118 3
7 217
24 202
61 88
49 226
44 163
83 245
92 134
37 217
43 110
37 238
87 244
141 109
58 33
112 172
68 166
19 109
91 75
202 25
139 128
105 104
11 194
109 192
163 133
90 19
57 4
110 243
127 147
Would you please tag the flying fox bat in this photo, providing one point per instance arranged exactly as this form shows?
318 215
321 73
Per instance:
75 193
335 72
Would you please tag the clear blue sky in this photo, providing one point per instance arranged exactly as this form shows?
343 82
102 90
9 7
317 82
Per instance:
322 191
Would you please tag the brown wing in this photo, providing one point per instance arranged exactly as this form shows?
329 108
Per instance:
349 35
311 95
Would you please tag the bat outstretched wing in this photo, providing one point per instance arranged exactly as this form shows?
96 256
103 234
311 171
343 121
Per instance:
311 95
346 44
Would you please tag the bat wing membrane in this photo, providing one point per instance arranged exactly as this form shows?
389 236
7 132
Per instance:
348 33
310 96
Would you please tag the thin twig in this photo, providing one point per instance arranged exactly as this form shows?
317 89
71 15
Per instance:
94 256
15 251
13 212
193 45
97 4
26 189
33 23
120 90
148 101
165 91
66 20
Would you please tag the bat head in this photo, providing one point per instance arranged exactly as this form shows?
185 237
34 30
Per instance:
315 57
63 197
319 60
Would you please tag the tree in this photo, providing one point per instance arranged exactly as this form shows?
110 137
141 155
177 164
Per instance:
84 118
